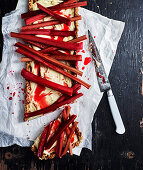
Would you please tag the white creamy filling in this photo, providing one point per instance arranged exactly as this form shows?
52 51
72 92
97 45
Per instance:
47 72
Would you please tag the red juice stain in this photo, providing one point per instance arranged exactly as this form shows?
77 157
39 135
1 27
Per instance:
23 101
40 97
83 68
72 139
13 94
10 93
10 98
22 89
87 60
8 87
94 36
59 38
83 51
12 112
103 79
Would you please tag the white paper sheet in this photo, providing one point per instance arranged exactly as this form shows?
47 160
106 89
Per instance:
13 130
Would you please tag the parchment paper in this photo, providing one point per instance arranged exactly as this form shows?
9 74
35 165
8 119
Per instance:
13 130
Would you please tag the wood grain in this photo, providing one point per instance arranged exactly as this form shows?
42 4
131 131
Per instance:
110 151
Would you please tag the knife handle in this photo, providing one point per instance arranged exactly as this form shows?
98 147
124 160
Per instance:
120 129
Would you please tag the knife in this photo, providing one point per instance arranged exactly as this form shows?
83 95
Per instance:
104 85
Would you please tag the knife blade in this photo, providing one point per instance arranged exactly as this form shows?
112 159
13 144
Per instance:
104 84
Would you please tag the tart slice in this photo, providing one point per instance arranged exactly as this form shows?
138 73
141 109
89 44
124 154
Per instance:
59 137
38 97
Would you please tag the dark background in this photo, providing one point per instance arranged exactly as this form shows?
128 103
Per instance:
110 151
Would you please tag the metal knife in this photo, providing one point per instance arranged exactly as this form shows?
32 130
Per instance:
105 86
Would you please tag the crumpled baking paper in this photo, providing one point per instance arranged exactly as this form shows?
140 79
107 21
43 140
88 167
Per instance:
13 130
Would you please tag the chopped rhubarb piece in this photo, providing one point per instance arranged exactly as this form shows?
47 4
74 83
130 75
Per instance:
42 46
49 59
49 49
68 6
67 57
65 118
62 98
42 141
43 24
68 110
51 107
30 14
76 18
70 148
44 82
49 32
61 139
61 44
69 138
58 57
49 131
76 86
37 32
61 129
76 90
84 37
35 18
36 58
52 13
24 59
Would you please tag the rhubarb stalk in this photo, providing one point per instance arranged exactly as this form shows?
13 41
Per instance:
43 24
53 14
35 18
69 138
61 129
42 141
51 107
57 43
44 82
48 59
49 32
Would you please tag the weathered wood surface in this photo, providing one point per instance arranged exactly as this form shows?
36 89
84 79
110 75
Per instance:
110 151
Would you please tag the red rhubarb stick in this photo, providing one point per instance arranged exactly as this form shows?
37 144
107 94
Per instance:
49 59
61 44
61 129
58 57
68 110
69 138
42 141
79 39
65 118
24 59
67 57
49 32
48 50
76 18
53 14
34 57
61 138
35 18
68 6
42 46
52 107
44 82
43 24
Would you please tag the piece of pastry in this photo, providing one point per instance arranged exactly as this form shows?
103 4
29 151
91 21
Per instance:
59 137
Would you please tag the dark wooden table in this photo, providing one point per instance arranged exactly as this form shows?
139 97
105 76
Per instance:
110 151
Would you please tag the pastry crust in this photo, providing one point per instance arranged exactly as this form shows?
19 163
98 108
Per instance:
52 155
28 64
